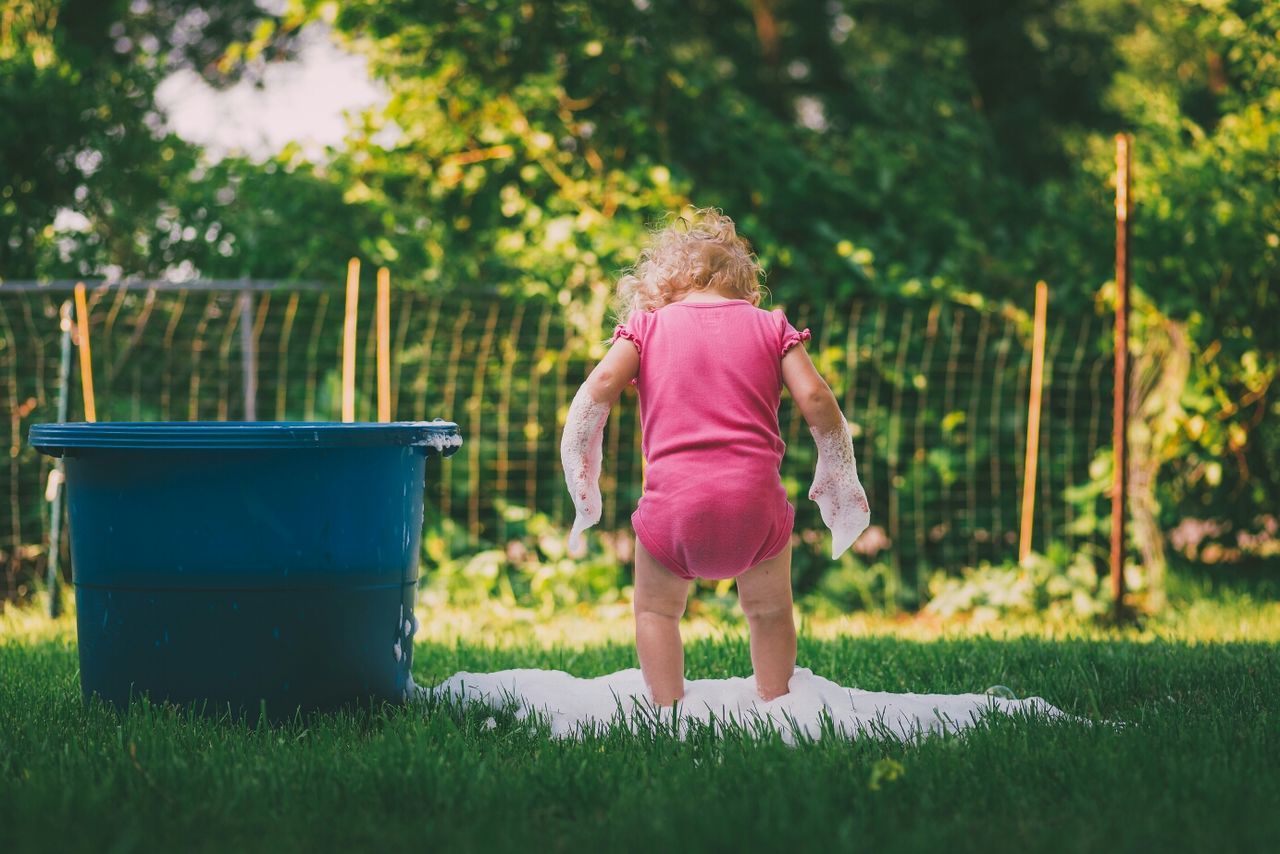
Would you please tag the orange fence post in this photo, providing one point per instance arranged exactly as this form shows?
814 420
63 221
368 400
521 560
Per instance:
384 345
1033 423
86 361
349 342
1120 402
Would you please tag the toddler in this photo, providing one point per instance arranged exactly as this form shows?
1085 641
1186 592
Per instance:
709 367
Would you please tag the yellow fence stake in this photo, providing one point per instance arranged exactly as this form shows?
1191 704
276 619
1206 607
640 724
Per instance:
86 361
384 345
349 342
1120 399
1033 423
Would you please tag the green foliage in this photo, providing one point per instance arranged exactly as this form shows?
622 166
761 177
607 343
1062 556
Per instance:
1056 586
865 147
1201 88
537 138
531 569
850 585
80 131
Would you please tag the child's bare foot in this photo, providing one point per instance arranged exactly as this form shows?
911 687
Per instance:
666 699
772 694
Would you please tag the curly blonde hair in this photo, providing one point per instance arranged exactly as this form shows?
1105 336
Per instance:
697 251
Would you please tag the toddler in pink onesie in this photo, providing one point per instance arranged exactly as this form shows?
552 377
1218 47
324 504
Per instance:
709 382
709 367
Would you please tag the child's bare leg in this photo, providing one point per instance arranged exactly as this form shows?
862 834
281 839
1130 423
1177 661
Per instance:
764 591
659 602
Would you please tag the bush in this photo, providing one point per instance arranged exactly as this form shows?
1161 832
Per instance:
532 568
1057 586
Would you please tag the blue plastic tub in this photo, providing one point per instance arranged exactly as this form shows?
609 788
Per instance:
246 566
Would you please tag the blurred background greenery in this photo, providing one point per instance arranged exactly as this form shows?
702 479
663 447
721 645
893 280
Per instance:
870 149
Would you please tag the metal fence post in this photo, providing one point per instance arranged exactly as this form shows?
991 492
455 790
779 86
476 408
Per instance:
248 356
53 491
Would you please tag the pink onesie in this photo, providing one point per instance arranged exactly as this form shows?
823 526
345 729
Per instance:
710 383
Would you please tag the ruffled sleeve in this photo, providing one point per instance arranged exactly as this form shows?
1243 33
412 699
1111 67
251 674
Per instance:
633 330
789 335
623 331
792 338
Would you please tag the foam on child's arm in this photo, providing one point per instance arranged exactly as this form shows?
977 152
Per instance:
836 488
581 452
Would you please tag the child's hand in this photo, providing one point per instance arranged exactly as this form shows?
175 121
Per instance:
845 512
588 504
584 489
837 490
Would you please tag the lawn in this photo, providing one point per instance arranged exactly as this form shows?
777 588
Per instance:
1194 769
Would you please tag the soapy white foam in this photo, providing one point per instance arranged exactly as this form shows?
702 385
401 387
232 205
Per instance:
814 708
441 442
837 490
581 452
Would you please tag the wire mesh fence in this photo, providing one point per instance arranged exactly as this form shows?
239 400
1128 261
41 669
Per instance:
935 391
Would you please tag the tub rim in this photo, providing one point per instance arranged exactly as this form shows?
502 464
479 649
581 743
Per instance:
56 440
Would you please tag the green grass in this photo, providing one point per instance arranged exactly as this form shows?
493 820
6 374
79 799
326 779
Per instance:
1195 770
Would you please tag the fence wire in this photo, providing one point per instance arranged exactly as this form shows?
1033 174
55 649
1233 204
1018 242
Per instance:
936 393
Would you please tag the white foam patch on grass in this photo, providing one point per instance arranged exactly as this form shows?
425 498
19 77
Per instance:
815 707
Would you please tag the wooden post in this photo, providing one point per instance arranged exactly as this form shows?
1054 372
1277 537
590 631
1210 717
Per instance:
248 356
1120 402
349 342
1033 423
384 345
86 361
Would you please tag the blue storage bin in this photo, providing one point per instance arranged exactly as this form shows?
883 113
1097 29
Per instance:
233 565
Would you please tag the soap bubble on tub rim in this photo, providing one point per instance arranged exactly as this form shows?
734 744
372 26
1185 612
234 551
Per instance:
439 443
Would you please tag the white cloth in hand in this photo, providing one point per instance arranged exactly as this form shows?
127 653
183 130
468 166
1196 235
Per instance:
581 452
837 490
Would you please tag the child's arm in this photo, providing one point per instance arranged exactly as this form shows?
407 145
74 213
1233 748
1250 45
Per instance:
836 488
582 445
